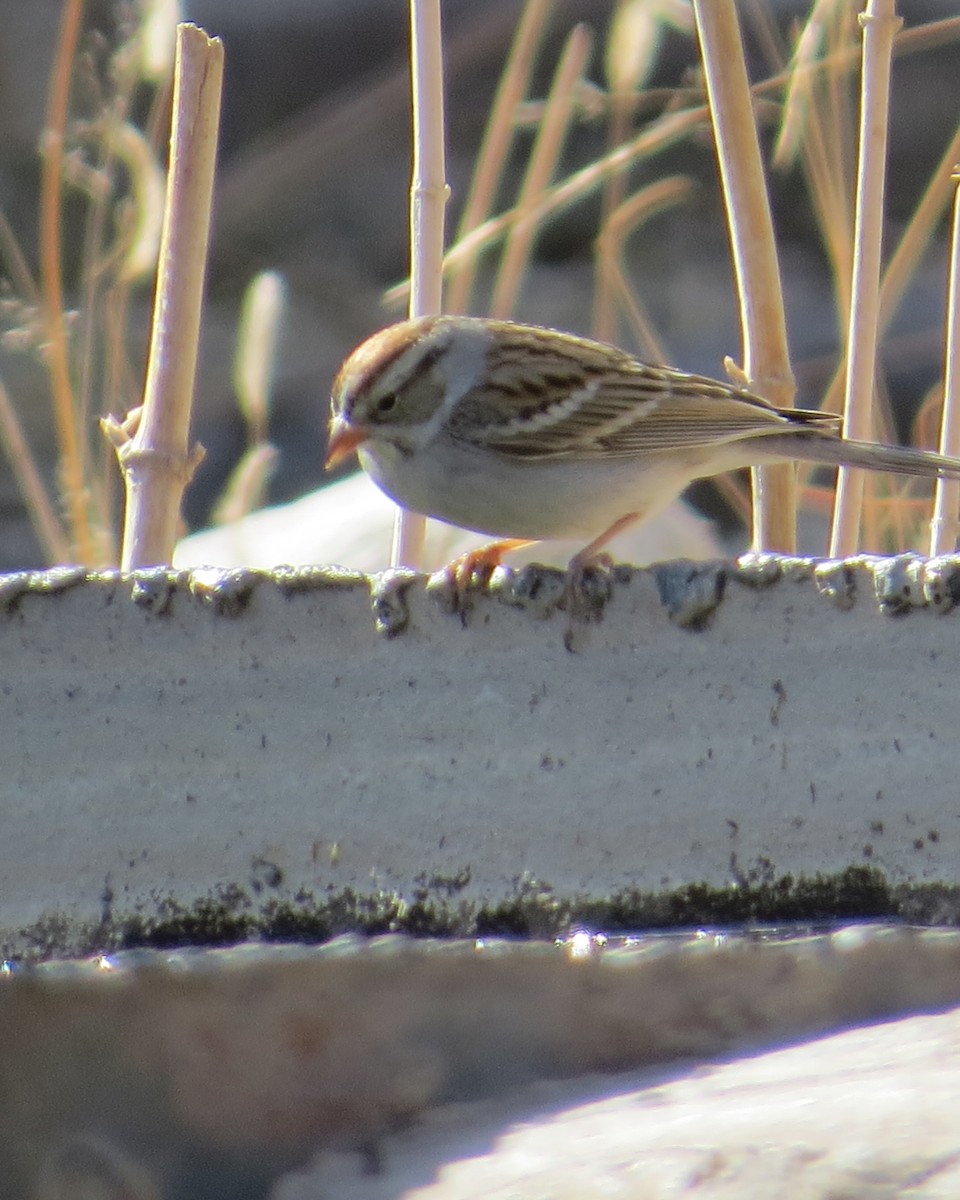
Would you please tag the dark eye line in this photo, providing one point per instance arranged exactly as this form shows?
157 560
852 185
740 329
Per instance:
388 401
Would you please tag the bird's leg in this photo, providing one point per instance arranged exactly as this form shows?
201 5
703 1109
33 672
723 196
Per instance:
479 564
579 602
590 555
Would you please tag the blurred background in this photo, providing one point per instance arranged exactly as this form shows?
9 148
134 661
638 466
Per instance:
313 183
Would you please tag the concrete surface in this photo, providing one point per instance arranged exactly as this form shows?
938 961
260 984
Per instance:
213 756
375 1070
257 737
865 1115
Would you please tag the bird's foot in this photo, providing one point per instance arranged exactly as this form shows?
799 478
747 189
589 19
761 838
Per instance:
588 586
474 568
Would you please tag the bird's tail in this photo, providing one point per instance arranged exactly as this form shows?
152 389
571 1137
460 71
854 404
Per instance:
872 456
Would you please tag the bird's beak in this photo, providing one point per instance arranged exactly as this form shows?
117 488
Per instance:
343 440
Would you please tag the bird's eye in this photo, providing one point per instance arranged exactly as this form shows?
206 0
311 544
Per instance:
386 404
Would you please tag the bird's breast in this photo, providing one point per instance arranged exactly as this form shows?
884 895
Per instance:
558 498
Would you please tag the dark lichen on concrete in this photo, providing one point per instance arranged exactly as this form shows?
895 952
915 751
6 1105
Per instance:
690 591
231 914
228 592
898 583
941 582
388 600
294 580
223 918
15 586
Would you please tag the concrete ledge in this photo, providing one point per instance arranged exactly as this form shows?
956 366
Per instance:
254 738
211 1074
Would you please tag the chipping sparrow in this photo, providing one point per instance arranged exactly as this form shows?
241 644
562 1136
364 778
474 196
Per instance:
526 433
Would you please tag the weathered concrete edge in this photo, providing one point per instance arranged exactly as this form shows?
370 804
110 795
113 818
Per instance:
894 585
258 903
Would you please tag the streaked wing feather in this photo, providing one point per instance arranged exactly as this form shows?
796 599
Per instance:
615 406
700 420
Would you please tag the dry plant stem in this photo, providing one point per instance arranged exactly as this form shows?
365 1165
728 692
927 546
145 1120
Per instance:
605 323
931 35
766 357
619 225
880 24
660 135
245 489
815 117
256 352
543 161
253 367
944 526
119 380
92 272
497 139
296 156
156 461
429 190
428 200
51 284
16 265
53 540
819 87
95 284
916 237
839 125
47 525
906 257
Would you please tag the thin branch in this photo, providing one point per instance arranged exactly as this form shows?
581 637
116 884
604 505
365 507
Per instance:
632 47
23 282
659 135
543 161
53 540
620 224
916 237
494 150
630 24
51 284
815 120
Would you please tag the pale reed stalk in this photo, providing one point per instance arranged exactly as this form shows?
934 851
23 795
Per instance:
880 23
766 359
944 525
152 444
428 199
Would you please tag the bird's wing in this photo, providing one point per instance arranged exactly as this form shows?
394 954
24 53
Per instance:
551 400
